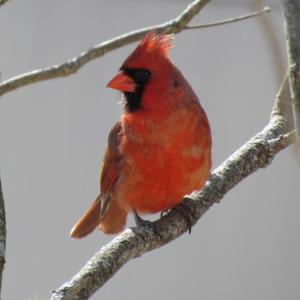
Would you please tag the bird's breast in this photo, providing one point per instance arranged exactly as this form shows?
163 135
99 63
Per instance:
163 161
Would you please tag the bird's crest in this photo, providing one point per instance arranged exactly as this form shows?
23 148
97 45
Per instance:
156 43
152 51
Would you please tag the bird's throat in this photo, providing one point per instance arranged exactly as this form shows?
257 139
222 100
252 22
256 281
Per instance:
133 100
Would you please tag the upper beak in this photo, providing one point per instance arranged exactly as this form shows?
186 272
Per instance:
122 82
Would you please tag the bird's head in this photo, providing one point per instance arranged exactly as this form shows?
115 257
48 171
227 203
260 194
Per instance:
146 70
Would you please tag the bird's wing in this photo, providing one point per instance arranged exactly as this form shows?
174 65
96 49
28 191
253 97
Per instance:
109 175
110 171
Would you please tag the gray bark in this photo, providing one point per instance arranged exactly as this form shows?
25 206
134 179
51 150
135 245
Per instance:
291 11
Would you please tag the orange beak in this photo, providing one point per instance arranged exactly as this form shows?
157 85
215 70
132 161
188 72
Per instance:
122 83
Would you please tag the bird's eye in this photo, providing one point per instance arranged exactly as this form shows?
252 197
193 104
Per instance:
142 75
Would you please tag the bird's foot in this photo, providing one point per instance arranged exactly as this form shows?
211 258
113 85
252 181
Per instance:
145 223
186 213
141 222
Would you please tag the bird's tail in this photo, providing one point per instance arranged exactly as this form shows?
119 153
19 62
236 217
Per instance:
112 222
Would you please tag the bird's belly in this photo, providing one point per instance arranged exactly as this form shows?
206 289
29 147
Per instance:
155 176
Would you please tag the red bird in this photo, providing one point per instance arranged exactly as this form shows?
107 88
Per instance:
160 148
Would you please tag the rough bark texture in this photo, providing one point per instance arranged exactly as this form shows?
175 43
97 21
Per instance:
291 11
257 153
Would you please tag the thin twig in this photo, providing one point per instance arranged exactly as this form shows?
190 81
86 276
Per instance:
256 153
291 10
71 66
282 106
231 20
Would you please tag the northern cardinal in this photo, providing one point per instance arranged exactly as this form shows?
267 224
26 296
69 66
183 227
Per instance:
160 148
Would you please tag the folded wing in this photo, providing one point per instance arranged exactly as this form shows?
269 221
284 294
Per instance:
105 211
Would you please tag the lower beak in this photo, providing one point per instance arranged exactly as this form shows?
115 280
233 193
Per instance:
122 82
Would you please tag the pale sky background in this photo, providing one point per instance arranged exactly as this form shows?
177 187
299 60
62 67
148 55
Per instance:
53 136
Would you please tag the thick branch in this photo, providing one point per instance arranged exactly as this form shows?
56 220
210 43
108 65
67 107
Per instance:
291 9
72 65
256 153
2 235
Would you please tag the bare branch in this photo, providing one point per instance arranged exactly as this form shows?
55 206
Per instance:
282 107
231 20
257 153
71 66
2 235
281 142
291 10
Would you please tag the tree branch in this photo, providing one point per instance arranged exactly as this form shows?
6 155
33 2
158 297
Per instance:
291 11
231 20
257 153
2 234
71 66
282 109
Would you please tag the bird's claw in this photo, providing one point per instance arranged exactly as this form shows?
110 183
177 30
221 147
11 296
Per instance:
145 223
186 213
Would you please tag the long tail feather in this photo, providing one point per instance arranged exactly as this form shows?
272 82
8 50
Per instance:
114 219
88 222
112 222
